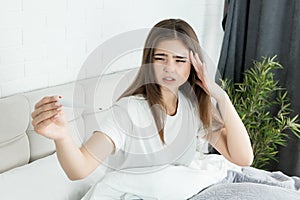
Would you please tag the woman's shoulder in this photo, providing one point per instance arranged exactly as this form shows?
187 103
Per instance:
136 108
133 98
132 102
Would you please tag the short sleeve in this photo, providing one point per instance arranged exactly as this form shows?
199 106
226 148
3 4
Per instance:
116 125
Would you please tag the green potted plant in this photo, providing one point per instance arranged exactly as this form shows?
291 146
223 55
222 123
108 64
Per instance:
255 100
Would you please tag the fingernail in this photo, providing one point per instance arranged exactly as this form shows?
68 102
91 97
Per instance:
57 104
56 116
57 97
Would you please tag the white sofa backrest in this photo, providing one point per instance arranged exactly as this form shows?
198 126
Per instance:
14 144
102 92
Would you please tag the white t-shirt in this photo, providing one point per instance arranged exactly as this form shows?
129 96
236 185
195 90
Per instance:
142 167
131 126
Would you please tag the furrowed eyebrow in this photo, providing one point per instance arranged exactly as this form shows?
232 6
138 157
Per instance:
180 57
162 54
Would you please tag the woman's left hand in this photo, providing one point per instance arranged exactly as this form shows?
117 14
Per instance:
205 82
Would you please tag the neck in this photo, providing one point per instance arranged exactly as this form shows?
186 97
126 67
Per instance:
170 99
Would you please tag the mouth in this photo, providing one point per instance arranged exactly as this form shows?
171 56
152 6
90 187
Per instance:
168 79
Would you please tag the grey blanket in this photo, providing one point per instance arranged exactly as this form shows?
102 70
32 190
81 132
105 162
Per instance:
252 184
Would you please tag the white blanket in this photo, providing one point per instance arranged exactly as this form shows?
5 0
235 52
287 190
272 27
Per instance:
170 182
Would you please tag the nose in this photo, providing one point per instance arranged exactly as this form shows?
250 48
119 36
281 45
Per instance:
169 66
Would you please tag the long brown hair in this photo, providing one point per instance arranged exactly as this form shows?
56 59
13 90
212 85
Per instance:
145 83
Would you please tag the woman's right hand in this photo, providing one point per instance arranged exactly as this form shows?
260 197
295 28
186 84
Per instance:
49 119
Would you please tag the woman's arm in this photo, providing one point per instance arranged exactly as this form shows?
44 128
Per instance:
233 142
49 120
78 163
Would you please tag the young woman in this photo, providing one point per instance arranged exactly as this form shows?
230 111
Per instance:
158 118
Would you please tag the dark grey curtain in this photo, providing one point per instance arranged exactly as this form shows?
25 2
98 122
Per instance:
255 28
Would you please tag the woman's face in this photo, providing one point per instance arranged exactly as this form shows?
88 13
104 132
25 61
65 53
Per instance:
171 64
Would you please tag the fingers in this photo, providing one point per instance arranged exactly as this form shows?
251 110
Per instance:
46 100
197 63
43 124
202 64
194 62
198 59
46 108
44 116
200 71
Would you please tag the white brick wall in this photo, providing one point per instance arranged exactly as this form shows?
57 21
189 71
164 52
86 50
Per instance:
44 43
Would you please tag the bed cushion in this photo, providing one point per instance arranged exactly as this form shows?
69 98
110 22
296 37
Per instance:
44 179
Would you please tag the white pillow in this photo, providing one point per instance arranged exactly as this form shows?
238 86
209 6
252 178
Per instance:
45 179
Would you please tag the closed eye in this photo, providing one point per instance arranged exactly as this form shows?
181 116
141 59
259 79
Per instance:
183 61
158 58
